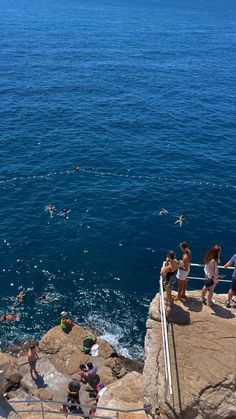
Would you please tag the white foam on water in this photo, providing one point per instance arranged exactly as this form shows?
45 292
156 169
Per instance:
119 336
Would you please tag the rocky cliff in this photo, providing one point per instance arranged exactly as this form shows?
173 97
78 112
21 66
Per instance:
202 344
60 357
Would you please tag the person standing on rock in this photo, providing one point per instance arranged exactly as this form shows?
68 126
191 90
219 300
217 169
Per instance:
32 359
232 290
73 400
211 260
183 271
168 272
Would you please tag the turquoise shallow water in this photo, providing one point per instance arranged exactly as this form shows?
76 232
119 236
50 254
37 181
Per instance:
141 96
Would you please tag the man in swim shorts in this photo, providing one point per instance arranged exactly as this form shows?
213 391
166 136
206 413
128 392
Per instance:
232 290
183 271
32 359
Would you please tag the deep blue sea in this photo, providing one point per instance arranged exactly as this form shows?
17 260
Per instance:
140 95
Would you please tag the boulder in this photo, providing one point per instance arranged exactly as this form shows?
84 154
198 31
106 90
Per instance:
68 360
105 350
49 379
12 375
105 375
125 393
121 365
29 414
55 339
16 394
128 389
43 393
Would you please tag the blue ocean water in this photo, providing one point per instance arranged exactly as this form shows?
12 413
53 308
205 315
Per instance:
141 95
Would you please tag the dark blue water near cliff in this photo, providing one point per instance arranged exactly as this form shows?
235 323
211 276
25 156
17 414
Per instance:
141 95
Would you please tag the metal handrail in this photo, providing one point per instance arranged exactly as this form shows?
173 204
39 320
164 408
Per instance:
65 403
82 405
58 412
203 279
201 265
165 342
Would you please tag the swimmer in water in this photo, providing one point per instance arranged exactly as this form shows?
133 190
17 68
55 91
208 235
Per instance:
65 213
20 297
77 169
9 317
163 211
50 209
180 220
45 297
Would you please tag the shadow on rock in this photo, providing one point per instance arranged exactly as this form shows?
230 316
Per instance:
178 315
193 304
40 383
222 312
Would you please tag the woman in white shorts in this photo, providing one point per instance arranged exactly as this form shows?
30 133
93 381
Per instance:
183 271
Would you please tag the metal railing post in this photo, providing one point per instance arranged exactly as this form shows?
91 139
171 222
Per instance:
42 410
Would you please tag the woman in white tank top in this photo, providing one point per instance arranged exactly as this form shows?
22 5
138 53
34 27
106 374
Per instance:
211 260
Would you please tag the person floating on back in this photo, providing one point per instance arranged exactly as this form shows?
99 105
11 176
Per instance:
66 324
65 213
32 359
50 208
180 220
232 290
163 211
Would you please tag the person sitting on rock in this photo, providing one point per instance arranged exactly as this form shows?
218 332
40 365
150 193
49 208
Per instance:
66 324
87 373
88 342
73 401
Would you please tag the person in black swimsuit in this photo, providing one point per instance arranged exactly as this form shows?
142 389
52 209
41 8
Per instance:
168 272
